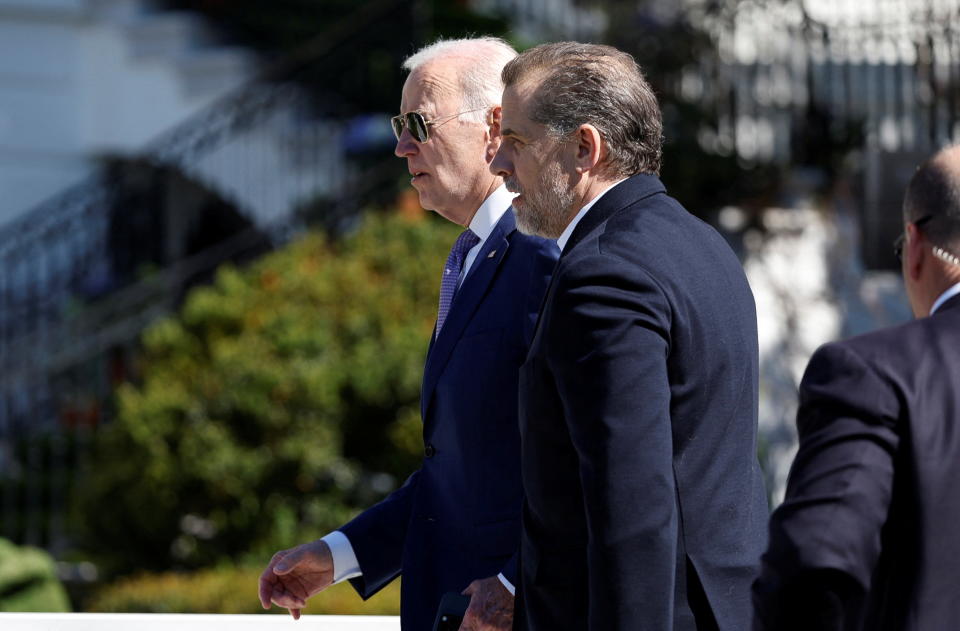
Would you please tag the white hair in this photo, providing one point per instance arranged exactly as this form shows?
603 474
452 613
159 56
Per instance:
482 60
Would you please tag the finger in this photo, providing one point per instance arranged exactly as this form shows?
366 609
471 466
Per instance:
470 590
266 587
295 613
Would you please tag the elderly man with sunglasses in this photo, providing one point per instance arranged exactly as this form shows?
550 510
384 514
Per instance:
867 536
454 525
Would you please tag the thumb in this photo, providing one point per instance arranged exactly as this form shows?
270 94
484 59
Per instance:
288 562
471 588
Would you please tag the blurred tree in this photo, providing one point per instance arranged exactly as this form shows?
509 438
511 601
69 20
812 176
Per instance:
227 590
277 402
28 580
674 42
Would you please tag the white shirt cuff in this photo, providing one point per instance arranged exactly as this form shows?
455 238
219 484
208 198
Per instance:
345 564
507 584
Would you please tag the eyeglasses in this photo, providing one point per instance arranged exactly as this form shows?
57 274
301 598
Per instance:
419 126
898 244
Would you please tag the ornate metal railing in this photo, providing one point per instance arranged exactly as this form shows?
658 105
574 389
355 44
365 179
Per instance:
71 311
825 89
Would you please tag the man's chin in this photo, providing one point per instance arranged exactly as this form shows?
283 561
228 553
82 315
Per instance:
533 228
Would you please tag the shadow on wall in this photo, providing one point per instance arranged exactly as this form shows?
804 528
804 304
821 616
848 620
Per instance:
159 216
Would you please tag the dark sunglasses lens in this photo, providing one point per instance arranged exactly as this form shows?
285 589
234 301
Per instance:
418 126
397 123
412 121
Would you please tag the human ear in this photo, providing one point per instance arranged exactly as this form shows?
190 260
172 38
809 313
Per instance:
494 116
590 149
914 255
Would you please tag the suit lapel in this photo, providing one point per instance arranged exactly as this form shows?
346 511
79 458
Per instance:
471 293
620 196
631 190
547 298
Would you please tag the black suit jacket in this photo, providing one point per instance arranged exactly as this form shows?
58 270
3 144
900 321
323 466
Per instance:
644 506
868 536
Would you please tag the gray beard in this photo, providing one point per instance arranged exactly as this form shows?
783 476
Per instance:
545 210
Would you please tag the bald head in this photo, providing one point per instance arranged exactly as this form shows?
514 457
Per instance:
931 215
933 198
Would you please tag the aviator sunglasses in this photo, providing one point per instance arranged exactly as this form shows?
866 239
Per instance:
419 126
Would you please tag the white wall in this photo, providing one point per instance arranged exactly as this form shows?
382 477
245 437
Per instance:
82 78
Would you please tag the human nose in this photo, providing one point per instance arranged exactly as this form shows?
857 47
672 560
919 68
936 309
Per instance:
406 145
501 164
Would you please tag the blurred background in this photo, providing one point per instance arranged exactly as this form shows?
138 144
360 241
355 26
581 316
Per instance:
216 286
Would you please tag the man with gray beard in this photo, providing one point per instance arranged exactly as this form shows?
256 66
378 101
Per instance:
644 502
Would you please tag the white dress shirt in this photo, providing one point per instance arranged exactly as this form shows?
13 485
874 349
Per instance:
345 564
483 223
945 296
565 235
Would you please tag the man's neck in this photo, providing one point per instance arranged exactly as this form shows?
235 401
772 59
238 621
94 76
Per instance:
576 217
591 189
481 197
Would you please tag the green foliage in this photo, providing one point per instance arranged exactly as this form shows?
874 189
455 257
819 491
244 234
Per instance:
28 581
227 590
275 404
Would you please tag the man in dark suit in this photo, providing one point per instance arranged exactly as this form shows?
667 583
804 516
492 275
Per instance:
868 536
644 502
454 525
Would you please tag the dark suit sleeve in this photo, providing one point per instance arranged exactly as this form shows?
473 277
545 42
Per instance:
377 536
825 537
608 352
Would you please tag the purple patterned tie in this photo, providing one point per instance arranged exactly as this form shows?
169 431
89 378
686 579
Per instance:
451 273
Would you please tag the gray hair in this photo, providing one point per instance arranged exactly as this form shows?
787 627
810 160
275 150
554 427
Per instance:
934 191
599 85
482 60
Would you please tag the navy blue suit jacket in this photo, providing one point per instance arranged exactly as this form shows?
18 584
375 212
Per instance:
868 536
457 518
645 506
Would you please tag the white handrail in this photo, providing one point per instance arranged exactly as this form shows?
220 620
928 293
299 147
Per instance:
190 622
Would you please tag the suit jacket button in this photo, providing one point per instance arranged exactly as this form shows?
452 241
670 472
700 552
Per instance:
429 451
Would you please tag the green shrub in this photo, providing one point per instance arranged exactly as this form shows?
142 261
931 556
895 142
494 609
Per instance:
278 402
228 590
28 580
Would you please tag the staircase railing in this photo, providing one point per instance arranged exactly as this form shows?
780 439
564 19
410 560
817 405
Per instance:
69 320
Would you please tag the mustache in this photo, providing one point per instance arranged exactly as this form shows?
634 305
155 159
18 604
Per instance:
512 185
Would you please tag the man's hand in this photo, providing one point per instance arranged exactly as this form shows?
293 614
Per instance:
491 606
295 575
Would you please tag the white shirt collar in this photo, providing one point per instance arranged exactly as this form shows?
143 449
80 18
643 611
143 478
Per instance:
565 235
490 212
945 296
